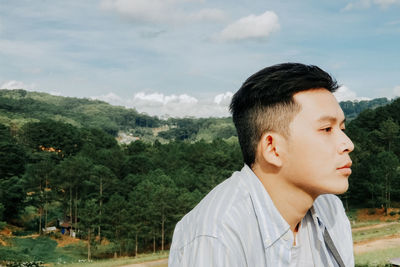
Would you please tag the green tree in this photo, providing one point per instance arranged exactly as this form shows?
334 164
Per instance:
39 185
103 182
12 196
389 132
89 220
384 169
51 135
116 221
72 174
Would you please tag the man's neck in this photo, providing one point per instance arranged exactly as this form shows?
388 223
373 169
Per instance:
291 202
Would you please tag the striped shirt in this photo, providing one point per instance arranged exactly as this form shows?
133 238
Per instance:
237 224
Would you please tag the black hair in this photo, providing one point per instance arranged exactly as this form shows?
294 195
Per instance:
265 101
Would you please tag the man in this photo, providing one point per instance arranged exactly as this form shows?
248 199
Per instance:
279 210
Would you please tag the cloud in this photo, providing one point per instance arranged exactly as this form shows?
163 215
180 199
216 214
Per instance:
223 99
151 34
111 98
362 4
365 4
183 105
345 94
394 22
386 3
56 93
13 84
160 11
251 27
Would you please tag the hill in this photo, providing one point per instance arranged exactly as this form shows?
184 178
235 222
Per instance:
18 107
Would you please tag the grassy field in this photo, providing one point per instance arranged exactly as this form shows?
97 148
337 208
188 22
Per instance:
121 261
45 249
375 226
370 234
377 258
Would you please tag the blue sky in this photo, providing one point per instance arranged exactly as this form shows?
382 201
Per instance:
187 57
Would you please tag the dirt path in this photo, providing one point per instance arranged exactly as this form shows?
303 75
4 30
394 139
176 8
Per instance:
373 226
157 263
367 246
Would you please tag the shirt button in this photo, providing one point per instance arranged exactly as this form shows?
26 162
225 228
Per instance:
286 236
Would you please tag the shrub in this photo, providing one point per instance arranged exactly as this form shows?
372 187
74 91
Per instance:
23 233
371 211
25 264
392 213
56 235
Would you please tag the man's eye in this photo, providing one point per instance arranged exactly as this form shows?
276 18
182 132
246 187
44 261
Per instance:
328 129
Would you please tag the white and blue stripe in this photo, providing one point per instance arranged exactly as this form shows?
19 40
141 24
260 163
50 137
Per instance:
237 224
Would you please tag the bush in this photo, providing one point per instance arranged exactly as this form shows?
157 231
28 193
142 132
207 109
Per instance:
371 211
25 264
56 235
23 233
29 249
392 213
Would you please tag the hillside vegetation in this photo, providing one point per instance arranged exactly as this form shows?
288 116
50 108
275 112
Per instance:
18 107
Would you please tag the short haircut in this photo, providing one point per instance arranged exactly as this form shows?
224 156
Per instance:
265 102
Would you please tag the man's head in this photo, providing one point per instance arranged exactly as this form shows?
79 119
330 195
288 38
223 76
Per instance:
265 102
289 124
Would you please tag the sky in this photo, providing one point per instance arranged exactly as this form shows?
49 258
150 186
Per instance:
184 58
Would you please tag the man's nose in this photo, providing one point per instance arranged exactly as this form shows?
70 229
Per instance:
346 144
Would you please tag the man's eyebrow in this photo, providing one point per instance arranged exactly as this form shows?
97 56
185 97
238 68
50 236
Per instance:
330 119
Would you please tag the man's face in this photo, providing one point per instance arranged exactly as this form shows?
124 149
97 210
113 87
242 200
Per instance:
317 159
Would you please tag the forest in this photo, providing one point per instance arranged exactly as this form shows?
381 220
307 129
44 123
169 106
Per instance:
78 177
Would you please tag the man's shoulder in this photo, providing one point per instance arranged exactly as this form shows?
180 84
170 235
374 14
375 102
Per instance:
212 214
330 209
328 202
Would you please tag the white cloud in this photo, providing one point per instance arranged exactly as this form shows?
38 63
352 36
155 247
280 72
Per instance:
223 99
386 3
55 93
396 91
361 4
158 104
252 26
364 4
111 98
160 11
345 94
17 85
158 98
208 14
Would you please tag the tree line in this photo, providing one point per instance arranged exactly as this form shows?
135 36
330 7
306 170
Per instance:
130 195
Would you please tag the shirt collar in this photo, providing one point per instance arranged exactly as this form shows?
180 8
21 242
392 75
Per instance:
271 223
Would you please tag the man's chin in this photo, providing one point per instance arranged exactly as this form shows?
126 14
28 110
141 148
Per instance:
338 190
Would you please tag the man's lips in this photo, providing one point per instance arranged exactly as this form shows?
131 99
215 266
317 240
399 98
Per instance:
347 165
345 169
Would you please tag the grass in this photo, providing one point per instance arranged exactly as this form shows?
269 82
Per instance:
38 249
121 261
359 224
377 257
376 233
45 250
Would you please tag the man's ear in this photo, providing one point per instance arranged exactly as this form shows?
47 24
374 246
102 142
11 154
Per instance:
271 148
